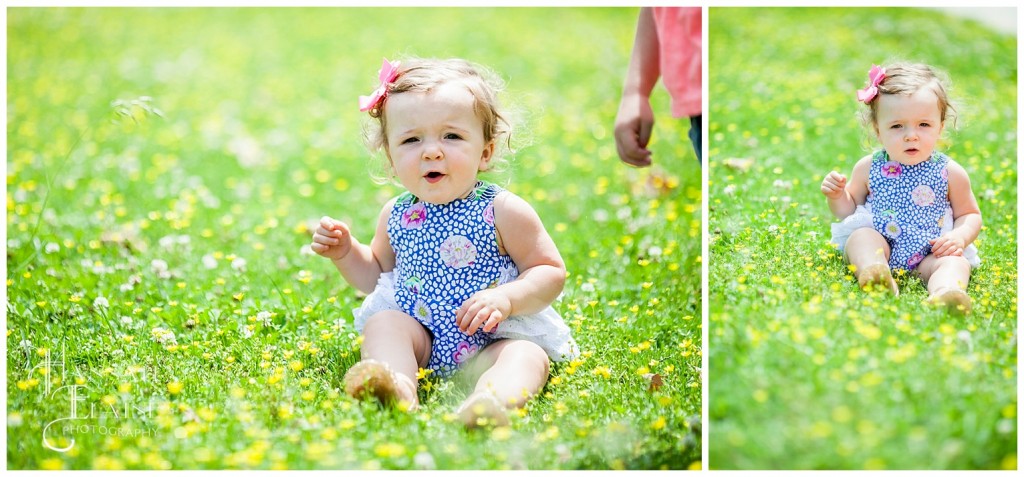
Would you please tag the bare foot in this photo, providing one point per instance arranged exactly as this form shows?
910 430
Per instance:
482 409
371 378
877 276
955 300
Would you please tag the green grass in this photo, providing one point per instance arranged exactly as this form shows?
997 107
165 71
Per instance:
806 371
260 135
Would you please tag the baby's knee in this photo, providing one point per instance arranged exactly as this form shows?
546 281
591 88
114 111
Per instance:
388 322
532 355
957 262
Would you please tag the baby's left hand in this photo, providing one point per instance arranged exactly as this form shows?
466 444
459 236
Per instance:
484 310
949 244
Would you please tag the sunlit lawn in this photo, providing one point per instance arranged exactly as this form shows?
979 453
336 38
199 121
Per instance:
806 371
163 167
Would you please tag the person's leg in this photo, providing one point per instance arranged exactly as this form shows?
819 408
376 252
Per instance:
946 279
695 135
513 371
868 252
395 346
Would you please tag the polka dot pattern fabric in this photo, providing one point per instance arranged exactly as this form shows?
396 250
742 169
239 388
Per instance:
444 253
909 204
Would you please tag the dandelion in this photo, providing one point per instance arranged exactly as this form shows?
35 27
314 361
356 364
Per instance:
175 387
100 302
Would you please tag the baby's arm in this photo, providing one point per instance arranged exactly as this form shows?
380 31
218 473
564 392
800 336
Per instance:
966 215
541 269
844 196
360 264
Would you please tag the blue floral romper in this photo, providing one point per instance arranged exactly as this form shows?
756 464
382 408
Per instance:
909 205
443 255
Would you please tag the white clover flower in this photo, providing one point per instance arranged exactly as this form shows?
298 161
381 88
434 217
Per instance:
245 331
52 248
209 262
126 320
600 215
238 264
160 268
25 344
100 302
424 460
264 317
654 251
730 189
781 184
163 336
587 287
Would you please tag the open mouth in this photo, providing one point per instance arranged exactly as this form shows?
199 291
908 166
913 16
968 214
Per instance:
433 176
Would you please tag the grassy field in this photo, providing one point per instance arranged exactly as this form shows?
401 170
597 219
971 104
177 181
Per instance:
163 166
805 370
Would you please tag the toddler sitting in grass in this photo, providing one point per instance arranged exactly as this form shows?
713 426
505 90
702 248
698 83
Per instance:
907 206
459 270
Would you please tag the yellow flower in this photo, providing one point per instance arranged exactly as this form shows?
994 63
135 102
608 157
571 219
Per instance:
659 424
174 387
389 450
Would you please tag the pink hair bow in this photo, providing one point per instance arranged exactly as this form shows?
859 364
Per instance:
388 72
875 77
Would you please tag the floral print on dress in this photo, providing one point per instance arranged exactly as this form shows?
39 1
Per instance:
923 195
414 216
892 169
441 262
893 230
414 285
458 252
464 351
907 203
489 214
422 312
914 260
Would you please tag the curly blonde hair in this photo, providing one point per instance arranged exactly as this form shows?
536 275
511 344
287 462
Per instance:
423 75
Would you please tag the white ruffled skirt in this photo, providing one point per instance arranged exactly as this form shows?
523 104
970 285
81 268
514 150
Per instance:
862 217
545 328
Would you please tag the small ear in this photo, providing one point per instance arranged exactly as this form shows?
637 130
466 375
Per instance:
485 156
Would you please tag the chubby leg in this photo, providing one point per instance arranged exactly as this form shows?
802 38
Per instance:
946 278
513 371
868 252
395 346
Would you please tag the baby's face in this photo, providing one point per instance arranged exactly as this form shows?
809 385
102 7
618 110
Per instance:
909 126
436 142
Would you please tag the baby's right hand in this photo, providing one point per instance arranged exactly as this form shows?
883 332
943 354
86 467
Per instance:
332 239
833 185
